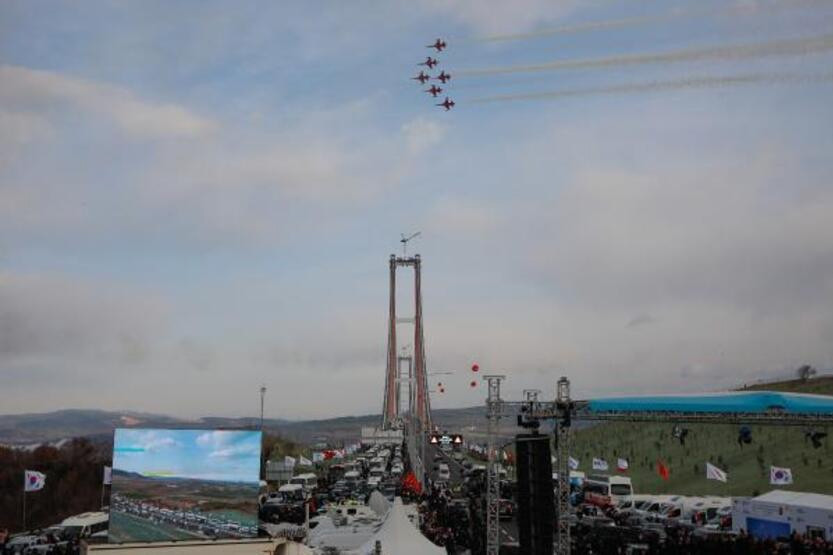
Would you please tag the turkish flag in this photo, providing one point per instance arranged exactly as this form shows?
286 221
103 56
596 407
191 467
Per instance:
329 454
663 471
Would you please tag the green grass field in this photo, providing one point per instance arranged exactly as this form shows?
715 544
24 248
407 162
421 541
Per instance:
748 467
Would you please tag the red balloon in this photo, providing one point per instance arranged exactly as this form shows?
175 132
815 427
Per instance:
475 367
473 383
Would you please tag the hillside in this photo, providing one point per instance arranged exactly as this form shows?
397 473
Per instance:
748 466
37 428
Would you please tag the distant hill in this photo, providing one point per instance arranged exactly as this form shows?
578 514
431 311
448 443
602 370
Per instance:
820 385
31 429
748 465
52 427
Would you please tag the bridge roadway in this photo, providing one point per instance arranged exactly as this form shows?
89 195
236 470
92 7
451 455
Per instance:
508 526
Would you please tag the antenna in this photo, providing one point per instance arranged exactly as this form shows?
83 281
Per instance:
405 240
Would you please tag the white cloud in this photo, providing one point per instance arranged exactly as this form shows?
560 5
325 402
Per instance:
423 133
463 216
30 88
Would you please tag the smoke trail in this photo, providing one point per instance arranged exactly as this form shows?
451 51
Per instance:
670 85
643 20
583 27
787 47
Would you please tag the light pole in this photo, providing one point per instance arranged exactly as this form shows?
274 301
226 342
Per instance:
262 397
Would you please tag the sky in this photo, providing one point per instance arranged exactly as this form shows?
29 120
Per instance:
220 455
197 199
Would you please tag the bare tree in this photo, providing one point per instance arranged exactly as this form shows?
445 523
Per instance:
805 372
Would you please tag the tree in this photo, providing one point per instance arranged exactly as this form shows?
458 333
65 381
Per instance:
805 372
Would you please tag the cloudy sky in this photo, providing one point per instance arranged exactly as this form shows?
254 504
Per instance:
200 197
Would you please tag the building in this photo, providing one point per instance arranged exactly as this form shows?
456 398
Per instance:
779 513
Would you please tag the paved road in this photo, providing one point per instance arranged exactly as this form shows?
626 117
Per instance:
508 528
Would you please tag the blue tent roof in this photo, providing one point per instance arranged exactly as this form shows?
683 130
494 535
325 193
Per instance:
747 402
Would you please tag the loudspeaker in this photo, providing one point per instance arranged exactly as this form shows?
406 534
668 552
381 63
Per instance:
536 501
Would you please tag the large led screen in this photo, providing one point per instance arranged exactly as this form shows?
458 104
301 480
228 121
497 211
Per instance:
184 484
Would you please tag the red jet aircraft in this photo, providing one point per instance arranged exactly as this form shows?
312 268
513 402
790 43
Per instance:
447 104
444 77
430 62
422 78
434 90
439 45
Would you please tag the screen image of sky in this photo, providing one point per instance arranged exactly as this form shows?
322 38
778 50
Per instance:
216 455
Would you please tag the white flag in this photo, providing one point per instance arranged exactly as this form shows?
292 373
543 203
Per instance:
599 464
33 481
622 465
714 473
317 456
108 476
573 463
289 461
780 476
303 461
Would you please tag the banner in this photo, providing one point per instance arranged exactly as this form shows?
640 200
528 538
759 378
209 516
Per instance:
573 463
289 461
622 465
714 473
780 476
108 476
599 464
33 481
303 461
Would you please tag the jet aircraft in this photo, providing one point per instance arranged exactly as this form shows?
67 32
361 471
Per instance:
448 104
439 45
422 77
434 90
430 62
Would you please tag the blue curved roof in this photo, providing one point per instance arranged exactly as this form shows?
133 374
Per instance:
747 402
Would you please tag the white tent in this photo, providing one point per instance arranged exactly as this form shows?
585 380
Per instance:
399 536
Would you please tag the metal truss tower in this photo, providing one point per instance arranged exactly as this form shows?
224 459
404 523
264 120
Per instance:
494 411
419 404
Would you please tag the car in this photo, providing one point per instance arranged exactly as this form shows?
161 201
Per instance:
506 509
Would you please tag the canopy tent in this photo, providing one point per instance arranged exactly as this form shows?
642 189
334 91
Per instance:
379 503
736 402
399 536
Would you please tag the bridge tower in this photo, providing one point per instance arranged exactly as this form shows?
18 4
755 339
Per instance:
419 407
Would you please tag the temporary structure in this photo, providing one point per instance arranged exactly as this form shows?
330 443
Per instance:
399 536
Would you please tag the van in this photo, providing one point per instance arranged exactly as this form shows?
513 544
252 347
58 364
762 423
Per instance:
86 525
308 481
618 489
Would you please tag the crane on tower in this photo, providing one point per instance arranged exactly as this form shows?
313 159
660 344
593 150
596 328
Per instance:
404 240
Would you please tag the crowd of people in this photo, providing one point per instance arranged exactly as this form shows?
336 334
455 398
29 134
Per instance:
443 521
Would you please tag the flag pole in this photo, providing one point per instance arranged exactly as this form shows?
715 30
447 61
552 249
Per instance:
24 508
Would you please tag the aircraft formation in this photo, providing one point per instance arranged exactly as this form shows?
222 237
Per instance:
443 77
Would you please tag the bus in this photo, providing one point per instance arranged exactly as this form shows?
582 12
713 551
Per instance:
618 489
